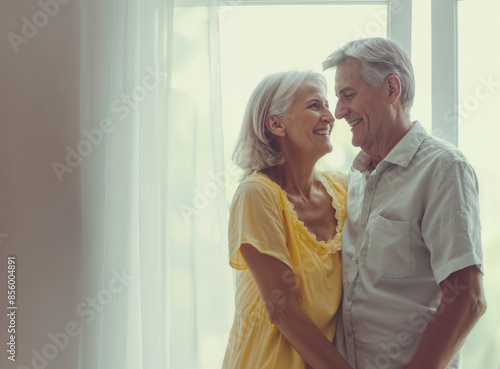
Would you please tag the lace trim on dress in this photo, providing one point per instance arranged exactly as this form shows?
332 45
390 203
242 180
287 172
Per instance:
321 247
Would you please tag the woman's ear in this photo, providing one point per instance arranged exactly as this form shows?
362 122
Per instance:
275 126
393 88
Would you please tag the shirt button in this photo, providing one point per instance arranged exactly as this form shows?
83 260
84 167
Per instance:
349 298
370 190
356 261
349 334
363 225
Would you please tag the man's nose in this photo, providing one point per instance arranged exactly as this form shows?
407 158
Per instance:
341 110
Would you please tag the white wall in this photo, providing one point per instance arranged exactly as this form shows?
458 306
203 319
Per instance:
39 117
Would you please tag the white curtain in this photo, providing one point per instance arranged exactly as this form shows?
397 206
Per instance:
153 186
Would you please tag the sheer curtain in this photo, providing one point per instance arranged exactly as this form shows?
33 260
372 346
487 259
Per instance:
154 204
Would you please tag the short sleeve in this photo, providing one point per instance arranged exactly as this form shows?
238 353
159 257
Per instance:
256 217
451 226
338 181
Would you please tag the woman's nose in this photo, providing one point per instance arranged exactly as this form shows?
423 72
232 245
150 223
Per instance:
330 117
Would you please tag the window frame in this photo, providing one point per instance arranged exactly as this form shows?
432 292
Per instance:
444 30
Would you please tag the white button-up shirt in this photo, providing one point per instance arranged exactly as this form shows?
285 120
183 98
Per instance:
411 222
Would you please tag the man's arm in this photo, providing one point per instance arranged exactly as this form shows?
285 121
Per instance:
283 308
462 304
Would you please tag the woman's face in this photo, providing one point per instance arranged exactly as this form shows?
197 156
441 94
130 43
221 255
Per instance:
309 122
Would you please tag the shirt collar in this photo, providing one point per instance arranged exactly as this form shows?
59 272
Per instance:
362 163
401 154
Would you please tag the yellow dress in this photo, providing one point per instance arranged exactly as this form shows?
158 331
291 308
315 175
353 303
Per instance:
262 216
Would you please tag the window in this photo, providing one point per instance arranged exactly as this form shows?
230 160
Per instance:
454 48
478 134
257 40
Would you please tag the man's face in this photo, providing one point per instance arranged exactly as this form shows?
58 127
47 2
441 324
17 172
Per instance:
364 107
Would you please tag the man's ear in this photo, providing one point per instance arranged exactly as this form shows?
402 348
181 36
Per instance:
275 126
393 88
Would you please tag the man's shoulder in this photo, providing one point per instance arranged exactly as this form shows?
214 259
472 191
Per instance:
437 151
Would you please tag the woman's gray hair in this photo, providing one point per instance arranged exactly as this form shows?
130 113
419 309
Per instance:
257 149
379 58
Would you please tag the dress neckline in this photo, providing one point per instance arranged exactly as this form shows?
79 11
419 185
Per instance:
332 245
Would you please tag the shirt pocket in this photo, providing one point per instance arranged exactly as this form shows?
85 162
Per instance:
388 252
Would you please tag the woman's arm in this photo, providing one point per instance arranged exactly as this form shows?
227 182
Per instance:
278 294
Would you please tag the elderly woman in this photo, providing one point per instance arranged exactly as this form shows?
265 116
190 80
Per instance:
285 230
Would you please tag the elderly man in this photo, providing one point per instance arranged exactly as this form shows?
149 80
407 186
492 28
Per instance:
412 258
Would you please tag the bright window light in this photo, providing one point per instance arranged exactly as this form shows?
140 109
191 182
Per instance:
258 40
478 134
421 53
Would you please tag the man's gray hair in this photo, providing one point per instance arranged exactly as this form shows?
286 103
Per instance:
379 58
257 148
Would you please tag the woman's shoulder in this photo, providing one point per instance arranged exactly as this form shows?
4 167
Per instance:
255 199
257 185
336 178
